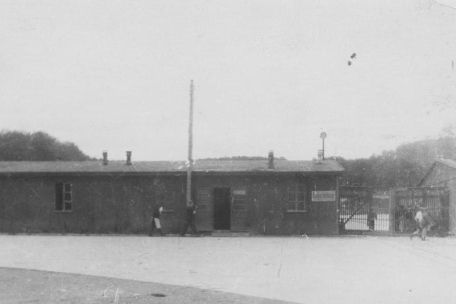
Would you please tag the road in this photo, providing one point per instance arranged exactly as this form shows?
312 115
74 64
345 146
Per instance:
296 269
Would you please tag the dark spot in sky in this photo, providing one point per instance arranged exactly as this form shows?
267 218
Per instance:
352 57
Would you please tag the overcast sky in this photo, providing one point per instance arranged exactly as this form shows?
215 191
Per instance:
269 75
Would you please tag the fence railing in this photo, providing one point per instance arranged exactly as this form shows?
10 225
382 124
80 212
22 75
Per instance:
363 209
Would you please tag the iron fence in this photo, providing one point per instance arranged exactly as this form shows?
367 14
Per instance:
364 209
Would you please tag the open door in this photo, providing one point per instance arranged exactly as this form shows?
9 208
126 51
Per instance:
222 208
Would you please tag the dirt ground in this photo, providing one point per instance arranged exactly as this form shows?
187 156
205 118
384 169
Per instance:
32 286
330 270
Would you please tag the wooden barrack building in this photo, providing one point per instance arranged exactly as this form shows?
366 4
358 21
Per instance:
264 196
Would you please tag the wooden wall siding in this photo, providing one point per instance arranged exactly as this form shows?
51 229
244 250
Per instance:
123 204
452 206
263 209
100 204
24 206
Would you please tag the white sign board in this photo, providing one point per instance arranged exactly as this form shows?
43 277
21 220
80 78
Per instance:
239 192
324 196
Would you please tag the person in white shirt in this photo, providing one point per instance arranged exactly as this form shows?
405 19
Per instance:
156 224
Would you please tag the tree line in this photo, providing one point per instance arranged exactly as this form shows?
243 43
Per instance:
403 167
37 146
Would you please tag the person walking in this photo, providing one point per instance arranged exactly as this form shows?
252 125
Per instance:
190 213
424 223
156 224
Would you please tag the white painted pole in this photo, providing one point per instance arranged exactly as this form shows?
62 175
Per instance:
190 147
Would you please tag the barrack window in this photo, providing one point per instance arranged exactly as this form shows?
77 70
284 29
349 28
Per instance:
296 199
63 197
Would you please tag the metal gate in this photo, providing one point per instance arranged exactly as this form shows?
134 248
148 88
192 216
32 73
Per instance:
435 200
364 209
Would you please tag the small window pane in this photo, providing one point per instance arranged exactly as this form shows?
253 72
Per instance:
67 206
67 196
300 196
291 206
67 187
291 196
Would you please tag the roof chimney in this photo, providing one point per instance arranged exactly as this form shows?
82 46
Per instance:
128 158
105 158
271 160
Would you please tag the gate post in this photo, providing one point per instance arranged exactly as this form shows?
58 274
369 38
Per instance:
338 205
392 204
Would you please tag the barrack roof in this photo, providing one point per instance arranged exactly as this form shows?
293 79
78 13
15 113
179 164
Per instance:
447 162
280 165
443 161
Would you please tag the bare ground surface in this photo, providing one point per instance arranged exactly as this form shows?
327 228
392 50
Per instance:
32 286
295 269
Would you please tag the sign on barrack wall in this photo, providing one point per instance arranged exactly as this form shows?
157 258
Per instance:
324 196
239 192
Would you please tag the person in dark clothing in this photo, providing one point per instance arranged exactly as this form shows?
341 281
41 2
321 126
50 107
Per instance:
189 219
371 217
410 223
399 219
424 223
156 224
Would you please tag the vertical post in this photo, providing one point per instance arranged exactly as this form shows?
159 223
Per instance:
190 147
323 136
323 154
370 204
392 209
338 205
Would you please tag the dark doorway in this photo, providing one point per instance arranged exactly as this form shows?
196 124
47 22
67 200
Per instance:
222 208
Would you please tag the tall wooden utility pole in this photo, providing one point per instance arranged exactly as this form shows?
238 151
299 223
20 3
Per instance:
190 147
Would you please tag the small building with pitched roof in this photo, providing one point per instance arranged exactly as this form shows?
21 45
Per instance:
260 196
443 174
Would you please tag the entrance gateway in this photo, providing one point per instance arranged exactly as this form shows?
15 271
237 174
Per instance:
364 209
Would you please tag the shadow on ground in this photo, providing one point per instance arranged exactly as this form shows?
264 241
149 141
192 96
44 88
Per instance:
31 286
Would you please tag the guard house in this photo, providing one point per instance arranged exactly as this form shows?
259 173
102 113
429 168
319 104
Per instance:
443 174
263 196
